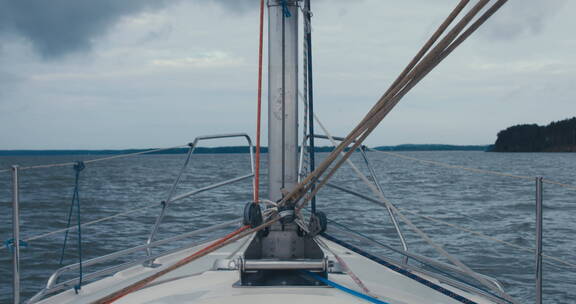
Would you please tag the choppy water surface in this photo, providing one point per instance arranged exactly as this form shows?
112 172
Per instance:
500 207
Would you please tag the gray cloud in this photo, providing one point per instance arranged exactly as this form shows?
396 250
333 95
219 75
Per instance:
522 17
59 27
7 82
236 5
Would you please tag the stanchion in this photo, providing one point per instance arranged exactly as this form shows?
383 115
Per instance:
15 236
538 240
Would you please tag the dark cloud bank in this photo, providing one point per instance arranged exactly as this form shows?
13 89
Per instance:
58 27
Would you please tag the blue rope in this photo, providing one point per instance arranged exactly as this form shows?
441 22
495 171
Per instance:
399 270
9 244
345 289
79 166
285 9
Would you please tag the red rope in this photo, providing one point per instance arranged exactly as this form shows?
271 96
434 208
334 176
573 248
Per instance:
259 111
142 283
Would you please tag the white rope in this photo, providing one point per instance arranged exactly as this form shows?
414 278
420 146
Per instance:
483 171
347 268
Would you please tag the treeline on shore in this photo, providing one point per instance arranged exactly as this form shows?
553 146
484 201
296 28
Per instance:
558 136
233 150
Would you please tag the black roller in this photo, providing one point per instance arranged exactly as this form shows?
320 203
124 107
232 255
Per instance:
252 215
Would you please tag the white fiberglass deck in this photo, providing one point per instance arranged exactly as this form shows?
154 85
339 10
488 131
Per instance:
197 282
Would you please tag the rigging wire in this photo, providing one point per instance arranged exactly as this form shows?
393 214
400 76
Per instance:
310 91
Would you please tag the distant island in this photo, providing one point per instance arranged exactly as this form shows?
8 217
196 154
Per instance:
559 136
235 150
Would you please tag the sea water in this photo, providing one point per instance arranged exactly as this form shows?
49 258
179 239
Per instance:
498 206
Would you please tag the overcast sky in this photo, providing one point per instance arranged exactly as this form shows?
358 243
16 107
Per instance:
97 74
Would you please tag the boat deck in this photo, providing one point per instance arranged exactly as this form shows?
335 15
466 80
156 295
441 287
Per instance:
200 282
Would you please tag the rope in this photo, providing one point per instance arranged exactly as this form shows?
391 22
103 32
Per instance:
400 270
349 271
78 167
200 253
396 92
389 101
233 237
259 109
327 133
421 233
344 289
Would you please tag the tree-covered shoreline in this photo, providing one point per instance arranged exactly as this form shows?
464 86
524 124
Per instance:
558 136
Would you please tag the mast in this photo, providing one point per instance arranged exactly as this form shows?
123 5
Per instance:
282 96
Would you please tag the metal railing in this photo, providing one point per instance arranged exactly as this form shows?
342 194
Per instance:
52 284
422 259
539 240
15 235
406 253
444 268
171 198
